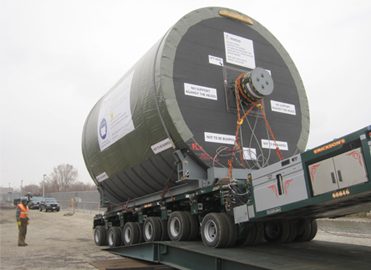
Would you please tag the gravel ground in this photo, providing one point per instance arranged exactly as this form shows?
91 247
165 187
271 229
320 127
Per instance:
356 231
65 242
54 241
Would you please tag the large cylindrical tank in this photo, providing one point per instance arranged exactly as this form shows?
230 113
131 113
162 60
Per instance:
179 96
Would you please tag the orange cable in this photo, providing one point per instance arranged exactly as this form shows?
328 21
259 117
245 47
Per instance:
278 151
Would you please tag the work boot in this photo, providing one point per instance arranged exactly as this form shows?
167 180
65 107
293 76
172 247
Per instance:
22 245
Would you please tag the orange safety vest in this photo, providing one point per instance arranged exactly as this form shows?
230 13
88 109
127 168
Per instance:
24 210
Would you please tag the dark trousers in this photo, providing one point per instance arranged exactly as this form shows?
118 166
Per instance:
22 231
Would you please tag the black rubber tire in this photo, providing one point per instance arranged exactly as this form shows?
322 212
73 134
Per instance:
277 231
100 236
194 228
307 230
232 228
259 233
152 229
293 231
164 234
314 229
246 234
179 226
214 230
140 228
114 236
130 234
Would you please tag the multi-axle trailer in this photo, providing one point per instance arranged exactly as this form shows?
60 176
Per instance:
205 137
278 203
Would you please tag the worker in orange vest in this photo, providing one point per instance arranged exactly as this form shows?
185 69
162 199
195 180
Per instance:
22 221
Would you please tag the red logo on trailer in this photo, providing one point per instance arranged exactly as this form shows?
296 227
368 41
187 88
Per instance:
357 156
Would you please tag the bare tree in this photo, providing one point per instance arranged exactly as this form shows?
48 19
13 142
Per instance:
62 177
33 189
80 186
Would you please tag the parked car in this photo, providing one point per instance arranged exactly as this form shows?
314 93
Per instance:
49 204
35 201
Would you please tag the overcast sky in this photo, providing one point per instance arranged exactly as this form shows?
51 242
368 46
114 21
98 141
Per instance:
57 58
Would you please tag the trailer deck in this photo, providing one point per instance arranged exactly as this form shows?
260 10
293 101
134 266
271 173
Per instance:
310 255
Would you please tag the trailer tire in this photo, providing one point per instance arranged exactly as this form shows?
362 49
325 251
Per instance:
293 231
164 234
314 229
178 226
131 234
194 228
232 230
307 230
214 230
277 231
114 236
100 238
259 233
152 229
140 229
246 234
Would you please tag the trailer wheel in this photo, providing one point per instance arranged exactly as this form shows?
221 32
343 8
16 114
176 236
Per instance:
152 229
214 230
246 234
164 234
307 230
259 233
178 226
130 234
114 236
232 228
293 231
100 236
140 229
251 234
277 231
314 229
194 228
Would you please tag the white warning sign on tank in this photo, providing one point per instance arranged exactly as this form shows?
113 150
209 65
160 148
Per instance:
249 153
162 146
200 91
115 119
216 60
239 50
282 107
101 177
270 144
219 138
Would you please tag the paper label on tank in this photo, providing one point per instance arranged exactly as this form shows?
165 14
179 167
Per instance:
200 91
269 144
282 107
249 153
162 146
101 177
219 138
239 51
115 119
216 60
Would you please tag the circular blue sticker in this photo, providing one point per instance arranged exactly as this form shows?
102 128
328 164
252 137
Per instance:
103 129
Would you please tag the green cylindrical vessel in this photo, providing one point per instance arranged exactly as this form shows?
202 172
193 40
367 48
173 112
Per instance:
179 96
